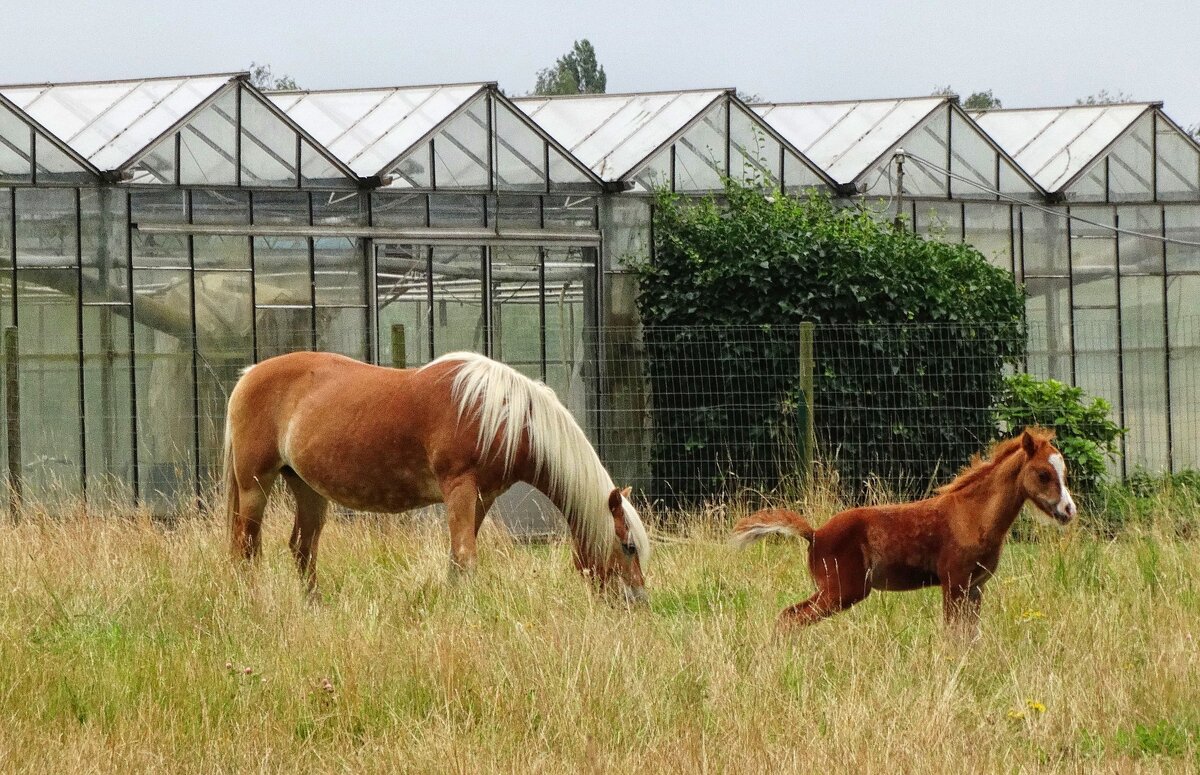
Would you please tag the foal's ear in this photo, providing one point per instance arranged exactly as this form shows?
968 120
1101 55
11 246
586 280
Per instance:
625 493
1028 443
614 500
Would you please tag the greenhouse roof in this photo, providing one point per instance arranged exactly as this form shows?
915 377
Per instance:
846 138
368 129
614 133
110 122
1054 145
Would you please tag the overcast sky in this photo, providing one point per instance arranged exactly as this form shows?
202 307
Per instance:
1047 52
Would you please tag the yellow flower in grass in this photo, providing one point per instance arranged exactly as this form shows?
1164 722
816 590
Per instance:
1016 715
1029 615
1035 706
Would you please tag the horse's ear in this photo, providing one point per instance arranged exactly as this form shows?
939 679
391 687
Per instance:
614 500
1028 443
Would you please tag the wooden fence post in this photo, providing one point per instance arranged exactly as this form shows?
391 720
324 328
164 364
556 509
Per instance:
806 385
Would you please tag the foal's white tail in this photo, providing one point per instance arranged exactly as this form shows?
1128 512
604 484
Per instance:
228 480
761 524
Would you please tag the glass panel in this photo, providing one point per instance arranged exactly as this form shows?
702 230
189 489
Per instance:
208 144
1044 243
399 209
570 285
1177 174
1093 248
1140 255
224 346
216 251
940 220
164 386
159 250
14 148
1090 187
655 174
515 211
626 230
318 171
520 154
570 212
972 158
457 298
337 208
341 277
107 408
1096 364
700 154
798 176
461 150
516 309
222 207
1144 367
343 330
48 341
413 171
928 141
1048 313
221 251
55 166
754 153
402 303
566 175
989 230
1183 223
1131 164
456 210
1183 324
157 166
105 240
281 207
46 230
268 146
281 271
283 330
1013 184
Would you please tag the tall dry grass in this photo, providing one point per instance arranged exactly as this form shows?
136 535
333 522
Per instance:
127 646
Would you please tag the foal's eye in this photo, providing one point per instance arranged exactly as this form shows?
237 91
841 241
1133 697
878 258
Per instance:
1044 477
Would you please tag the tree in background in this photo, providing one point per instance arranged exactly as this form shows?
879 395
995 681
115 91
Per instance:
1105 97
980 100
576 72
261 77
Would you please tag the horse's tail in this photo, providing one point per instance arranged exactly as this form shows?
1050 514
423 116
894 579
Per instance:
229 480
770 522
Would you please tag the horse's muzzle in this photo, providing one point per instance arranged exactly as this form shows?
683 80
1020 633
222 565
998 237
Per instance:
635 595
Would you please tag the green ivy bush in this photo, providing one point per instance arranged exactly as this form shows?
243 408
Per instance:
906 402
1086 435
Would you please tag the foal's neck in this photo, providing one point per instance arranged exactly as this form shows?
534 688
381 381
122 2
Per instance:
1001 497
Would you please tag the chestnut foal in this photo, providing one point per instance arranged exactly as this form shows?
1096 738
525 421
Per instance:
952 539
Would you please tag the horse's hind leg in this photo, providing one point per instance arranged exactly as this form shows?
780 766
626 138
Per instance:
840 584
306 533
247 522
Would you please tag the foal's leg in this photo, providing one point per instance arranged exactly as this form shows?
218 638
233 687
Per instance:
840 584
252 502
306 533
961 598
462 504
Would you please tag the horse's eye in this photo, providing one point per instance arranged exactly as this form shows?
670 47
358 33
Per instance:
629 549
1044 477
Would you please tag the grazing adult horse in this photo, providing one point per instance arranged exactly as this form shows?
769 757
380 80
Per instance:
460 431
952 539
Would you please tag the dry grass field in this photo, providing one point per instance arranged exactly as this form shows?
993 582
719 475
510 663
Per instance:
127 646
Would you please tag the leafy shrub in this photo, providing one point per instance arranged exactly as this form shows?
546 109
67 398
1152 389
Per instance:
1085 434
912 338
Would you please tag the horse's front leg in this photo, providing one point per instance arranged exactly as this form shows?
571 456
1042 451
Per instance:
961 599
461 495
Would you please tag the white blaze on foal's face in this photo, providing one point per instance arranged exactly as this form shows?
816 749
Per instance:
1064 510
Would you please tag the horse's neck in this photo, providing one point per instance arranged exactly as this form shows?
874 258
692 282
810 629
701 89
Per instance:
1004 498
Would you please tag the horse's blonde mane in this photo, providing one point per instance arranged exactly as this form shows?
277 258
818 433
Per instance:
980 467
559 449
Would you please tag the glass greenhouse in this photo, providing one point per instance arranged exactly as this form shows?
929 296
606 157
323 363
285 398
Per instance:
157 235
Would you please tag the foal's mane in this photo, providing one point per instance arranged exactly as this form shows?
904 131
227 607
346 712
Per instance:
981 467
497 394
